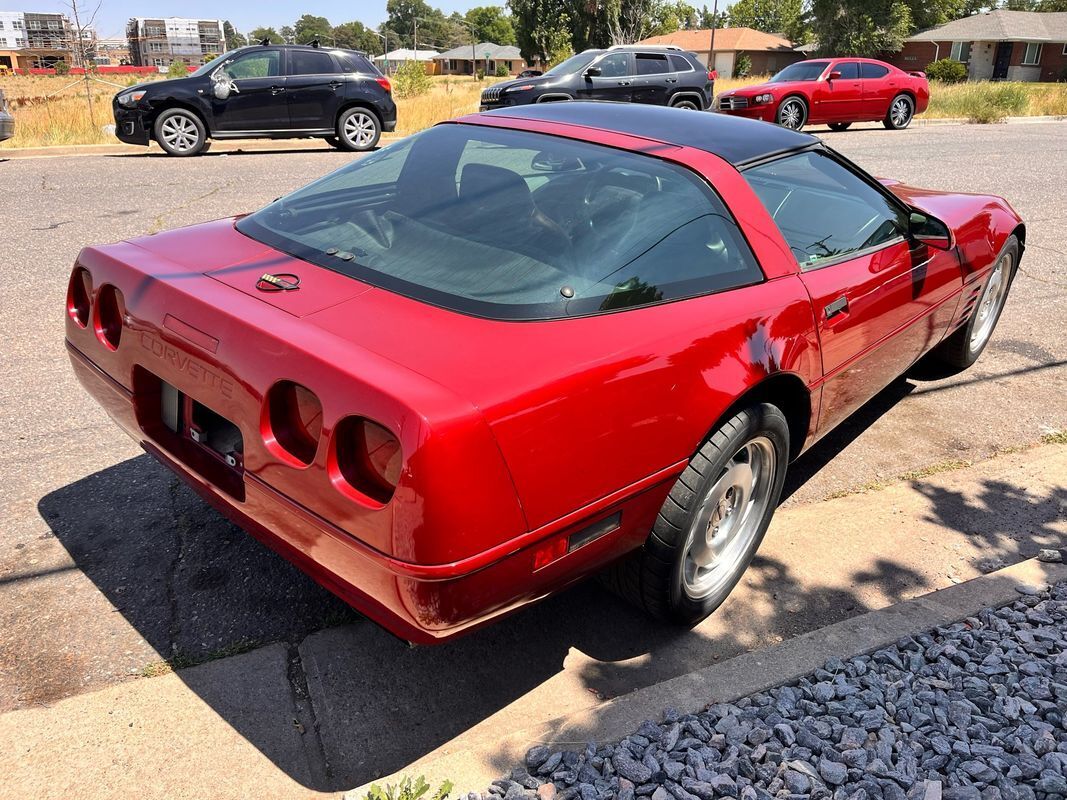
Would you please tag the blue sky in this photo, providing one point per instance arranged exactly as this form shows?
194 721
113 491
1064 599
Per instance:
245 14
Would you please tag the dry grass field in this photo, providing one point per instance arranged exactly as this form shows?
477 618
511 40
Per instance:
47 113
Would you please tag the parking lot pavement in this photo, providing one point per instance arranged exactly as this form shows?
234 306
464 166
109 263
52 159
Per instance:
107 564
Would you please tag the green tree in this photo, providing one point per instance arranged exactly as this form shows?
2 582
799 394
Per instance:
177 69
707 19
287 33
259 34
860 27
542 29
232 37
770 16
309 28
356 36
411 80
491 24
405 15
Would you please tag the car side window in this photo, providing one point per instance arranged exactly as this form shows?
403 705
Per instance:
310 62
651 64
825 211
266 64
679 64
873 71
850 70
616 65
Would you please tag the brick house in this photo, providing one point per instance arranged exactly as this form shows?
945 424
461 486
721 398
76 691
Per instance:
769 53
996 45
485 56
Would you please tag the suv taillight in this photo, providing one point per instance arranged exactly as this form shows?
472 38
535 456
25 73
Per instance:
384 83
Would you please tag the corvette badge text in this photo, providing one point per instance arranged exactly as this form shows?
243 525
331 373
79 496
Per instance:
187 364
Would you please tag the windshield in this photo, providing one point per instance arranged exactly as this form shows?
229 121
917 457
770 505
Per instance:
572 64
210 66
802 71
513 225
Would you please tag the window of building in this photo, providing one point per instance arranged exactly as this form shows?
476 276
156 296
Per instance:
17 25
961 51
1064 51
1032 56
1 24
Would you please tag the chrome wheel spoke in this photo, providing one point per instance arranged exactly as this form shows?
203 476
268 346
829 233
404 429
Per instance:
990 303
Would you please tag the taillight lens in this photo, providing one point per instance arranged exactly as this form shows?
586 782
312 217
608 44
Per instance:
292 423
384 83
108 317
365 460
78 294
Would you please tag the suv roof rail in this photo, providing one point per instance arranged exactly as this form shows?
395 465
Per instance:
645 47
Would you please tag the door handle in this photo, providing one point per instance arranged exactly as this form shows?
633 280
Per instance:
836 308
624 83
277 89
336 85
672 80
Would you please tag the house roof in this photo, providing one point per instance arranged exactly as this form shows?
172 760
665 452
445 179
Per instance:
1001 25
699 41
405 54
497 52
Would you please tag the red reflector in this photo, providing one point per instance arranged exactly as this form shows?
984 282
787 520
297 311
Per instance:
81 289
549 551
108 318
292 423
365 460
384 83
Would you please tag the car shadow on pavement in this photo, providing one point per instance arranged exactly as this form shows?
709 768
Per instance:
197 587
240 152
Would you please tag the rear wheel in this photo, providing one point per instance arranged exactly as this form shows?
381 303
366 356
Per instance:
686 104
900 112
180 132
358 129
839 126
964 346
711 524
792 113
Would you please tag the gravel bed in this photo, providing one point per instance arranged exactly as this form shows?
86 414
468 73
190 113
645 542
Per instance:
974 710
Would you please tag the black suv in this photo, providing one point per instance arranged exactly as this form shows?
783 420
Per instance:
262 91
663 76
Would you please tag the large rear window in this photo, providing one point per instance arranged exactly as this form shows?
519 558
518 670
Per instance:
513 225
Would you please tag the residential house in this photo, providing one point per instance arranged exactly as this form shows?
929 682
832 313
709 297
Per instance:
157 42
485 56
996 45
392 60
767 52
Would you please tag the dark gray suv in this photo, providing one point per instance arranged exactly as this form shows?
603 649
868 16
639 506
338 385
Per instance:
662 76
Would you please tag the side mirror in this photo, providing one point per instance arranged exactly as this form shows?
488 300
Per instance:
592 72
929 230
221 89
834 76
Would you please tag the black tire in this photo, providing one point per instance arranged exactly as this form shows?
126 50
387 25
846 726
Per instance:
900 112
180 132
792 113
839 126
333 141
687 104
965 345
358 129
656 577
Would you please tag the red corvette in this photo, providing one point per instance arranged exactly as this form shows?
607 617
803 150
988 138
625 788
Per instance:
531 345
833 91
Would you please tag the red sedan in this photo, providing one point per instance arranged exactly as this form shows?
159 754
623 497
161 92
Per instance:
833 91
531 345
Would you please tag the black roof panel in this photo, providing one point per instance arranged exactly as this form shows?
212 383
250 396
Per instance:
734 139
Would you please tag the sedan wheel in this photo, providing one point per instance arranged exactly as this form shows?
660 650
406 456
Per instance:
900 113
712 522
180 132
686 105
358 129
793 113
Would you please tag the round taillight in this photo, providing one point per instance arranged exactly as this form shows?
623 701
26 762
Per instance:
292 423
78 294
108 316
365 460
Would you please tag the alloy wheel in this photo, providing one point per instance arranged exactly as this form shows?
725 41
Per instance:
900 113
991 302
728 519
360 129
791 115
180 133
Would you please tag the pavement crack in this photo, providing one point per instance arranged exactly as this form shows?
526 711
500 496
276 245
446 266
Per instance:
160 221
306 720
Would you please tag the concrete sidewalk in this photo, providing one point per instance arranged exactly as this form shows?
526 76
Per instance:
348 704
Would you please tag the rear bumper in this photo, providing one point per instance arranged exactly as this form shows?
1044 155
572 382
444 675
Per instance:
422 603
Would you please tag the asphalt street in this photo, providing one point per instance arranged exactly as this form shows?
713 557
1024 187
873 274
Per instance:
108 564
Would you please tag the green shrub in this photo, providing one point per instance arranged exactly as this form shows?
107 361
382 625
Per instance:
947 70
1000 100
479 74
742 66
177 69
502 70
411 80
408 790
62 68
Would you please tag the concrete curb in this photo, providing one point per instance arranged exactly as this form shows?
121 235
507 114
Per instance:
475 759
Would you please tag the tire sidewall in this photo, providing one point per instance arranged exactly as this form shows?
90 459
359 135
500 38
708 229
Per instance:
911 112
201 130
760 420
803 107
345 142
1010 246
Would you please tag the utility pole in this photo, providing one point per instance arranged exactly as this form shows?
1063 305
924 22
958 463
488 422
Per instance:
415 20
714 19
